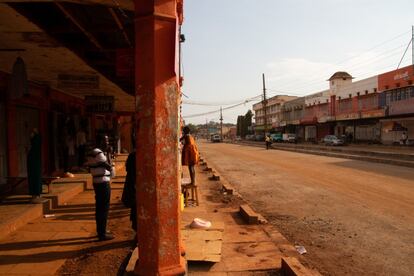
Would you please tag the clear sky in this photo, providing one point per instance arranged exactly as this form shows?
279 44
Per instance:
298 44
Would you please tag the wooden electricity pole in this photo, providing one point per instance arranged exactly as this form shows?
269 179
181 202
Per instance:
264 104
221 123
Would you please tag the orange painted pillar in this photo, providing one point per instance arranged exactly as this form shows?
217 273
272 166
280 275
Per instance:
157 100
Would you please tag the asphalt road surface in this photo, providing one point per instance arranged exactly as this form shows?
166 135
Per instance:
353 217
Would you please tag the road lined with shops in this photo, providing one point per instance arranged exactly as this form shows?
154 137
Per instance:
353 217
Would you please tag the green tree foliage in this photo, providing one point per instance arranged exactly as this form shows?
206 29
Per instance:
244 123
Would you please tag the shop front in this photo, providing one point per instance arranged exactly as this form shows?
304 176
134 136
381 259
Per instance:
392 130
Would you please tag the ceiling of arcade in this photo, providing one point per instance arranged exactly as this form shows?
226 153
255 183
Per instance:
64 43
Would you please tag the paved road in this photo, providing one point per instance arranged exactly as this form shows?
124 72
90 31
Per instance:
353 217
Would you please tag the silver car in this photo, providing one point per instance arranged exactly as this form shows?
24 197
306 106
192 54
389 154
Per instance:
332 140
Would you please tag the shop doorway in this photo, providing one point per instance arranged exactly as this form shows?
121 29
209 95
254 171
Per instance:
3 145
27 119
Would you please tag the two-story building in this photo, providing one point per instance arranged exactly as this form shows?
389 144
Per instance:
273 113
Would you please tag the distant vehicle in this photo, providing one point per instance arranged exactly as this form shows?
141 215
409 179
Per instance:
215 138
250 137
332 140
259 137
238 138
276 137
289 138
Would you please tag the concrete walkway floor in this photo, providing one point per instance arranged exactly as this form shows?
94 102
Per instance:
43 245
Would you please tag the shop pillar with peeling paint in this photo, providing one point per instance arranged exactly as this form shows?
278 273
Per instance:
157 99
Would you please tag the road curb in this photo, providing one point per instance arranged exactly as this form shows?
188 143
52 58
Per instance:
293 267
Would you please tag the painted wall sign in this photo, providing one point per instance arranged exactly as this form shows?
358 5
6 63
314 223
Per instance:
373 113
347 116
395 78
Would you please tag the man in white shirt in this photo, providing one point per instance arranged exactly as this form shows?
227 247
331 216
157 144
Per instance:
100 169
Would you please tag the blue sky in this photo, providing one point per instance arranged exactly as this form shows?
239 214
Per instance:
298 44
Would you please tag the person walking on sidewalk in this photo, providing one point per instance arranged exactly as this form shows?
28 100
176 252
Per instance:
101 169
268 142
190 153
34 166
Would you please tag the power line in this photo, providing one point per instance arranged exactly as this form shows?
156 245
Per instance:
215 103
317 80
223 109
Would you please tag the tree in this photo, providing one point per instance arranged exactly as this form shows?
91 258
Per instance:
248 121
193 128
240 120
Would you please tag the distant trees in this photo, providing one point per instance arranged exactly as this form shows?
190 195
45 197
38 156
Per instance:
244 124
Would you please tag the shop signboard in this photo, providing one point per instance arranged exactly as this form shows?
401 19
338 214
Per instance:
324 119
99 104
373 113
395 78
401 107
348 116
78 81
282 123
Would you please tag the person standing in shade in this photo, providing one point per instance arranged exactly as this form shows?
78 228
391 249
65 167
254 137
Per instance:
190 153
81 145
34 167
129 192
100 169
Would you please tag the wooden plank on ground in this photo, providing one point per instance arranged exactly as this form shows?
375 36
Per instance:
202 245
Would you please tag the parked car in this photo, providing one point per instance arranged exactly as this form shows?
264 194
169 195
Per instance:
289 138
249 137
276 137
238 138
215 138
332 140
259 137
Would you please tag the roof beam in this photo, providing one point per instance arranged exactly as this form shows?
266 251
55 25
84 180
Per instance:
120 26
74 21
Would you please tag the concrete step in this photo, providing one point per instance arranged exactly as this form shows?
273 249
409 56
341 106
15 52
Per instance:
16 210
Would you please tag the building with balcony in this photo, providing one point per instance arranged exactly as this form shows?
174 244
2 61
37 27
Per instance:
273 112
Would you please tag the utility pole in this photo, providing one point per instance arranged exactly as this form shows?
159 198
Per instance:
221 123
264 104
207 131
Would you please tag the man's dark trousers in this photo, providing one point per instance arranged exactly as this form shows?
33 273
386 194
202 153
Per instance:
102 199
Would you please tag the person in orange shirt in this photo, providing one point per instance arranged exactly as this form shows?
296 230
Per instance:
190 153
